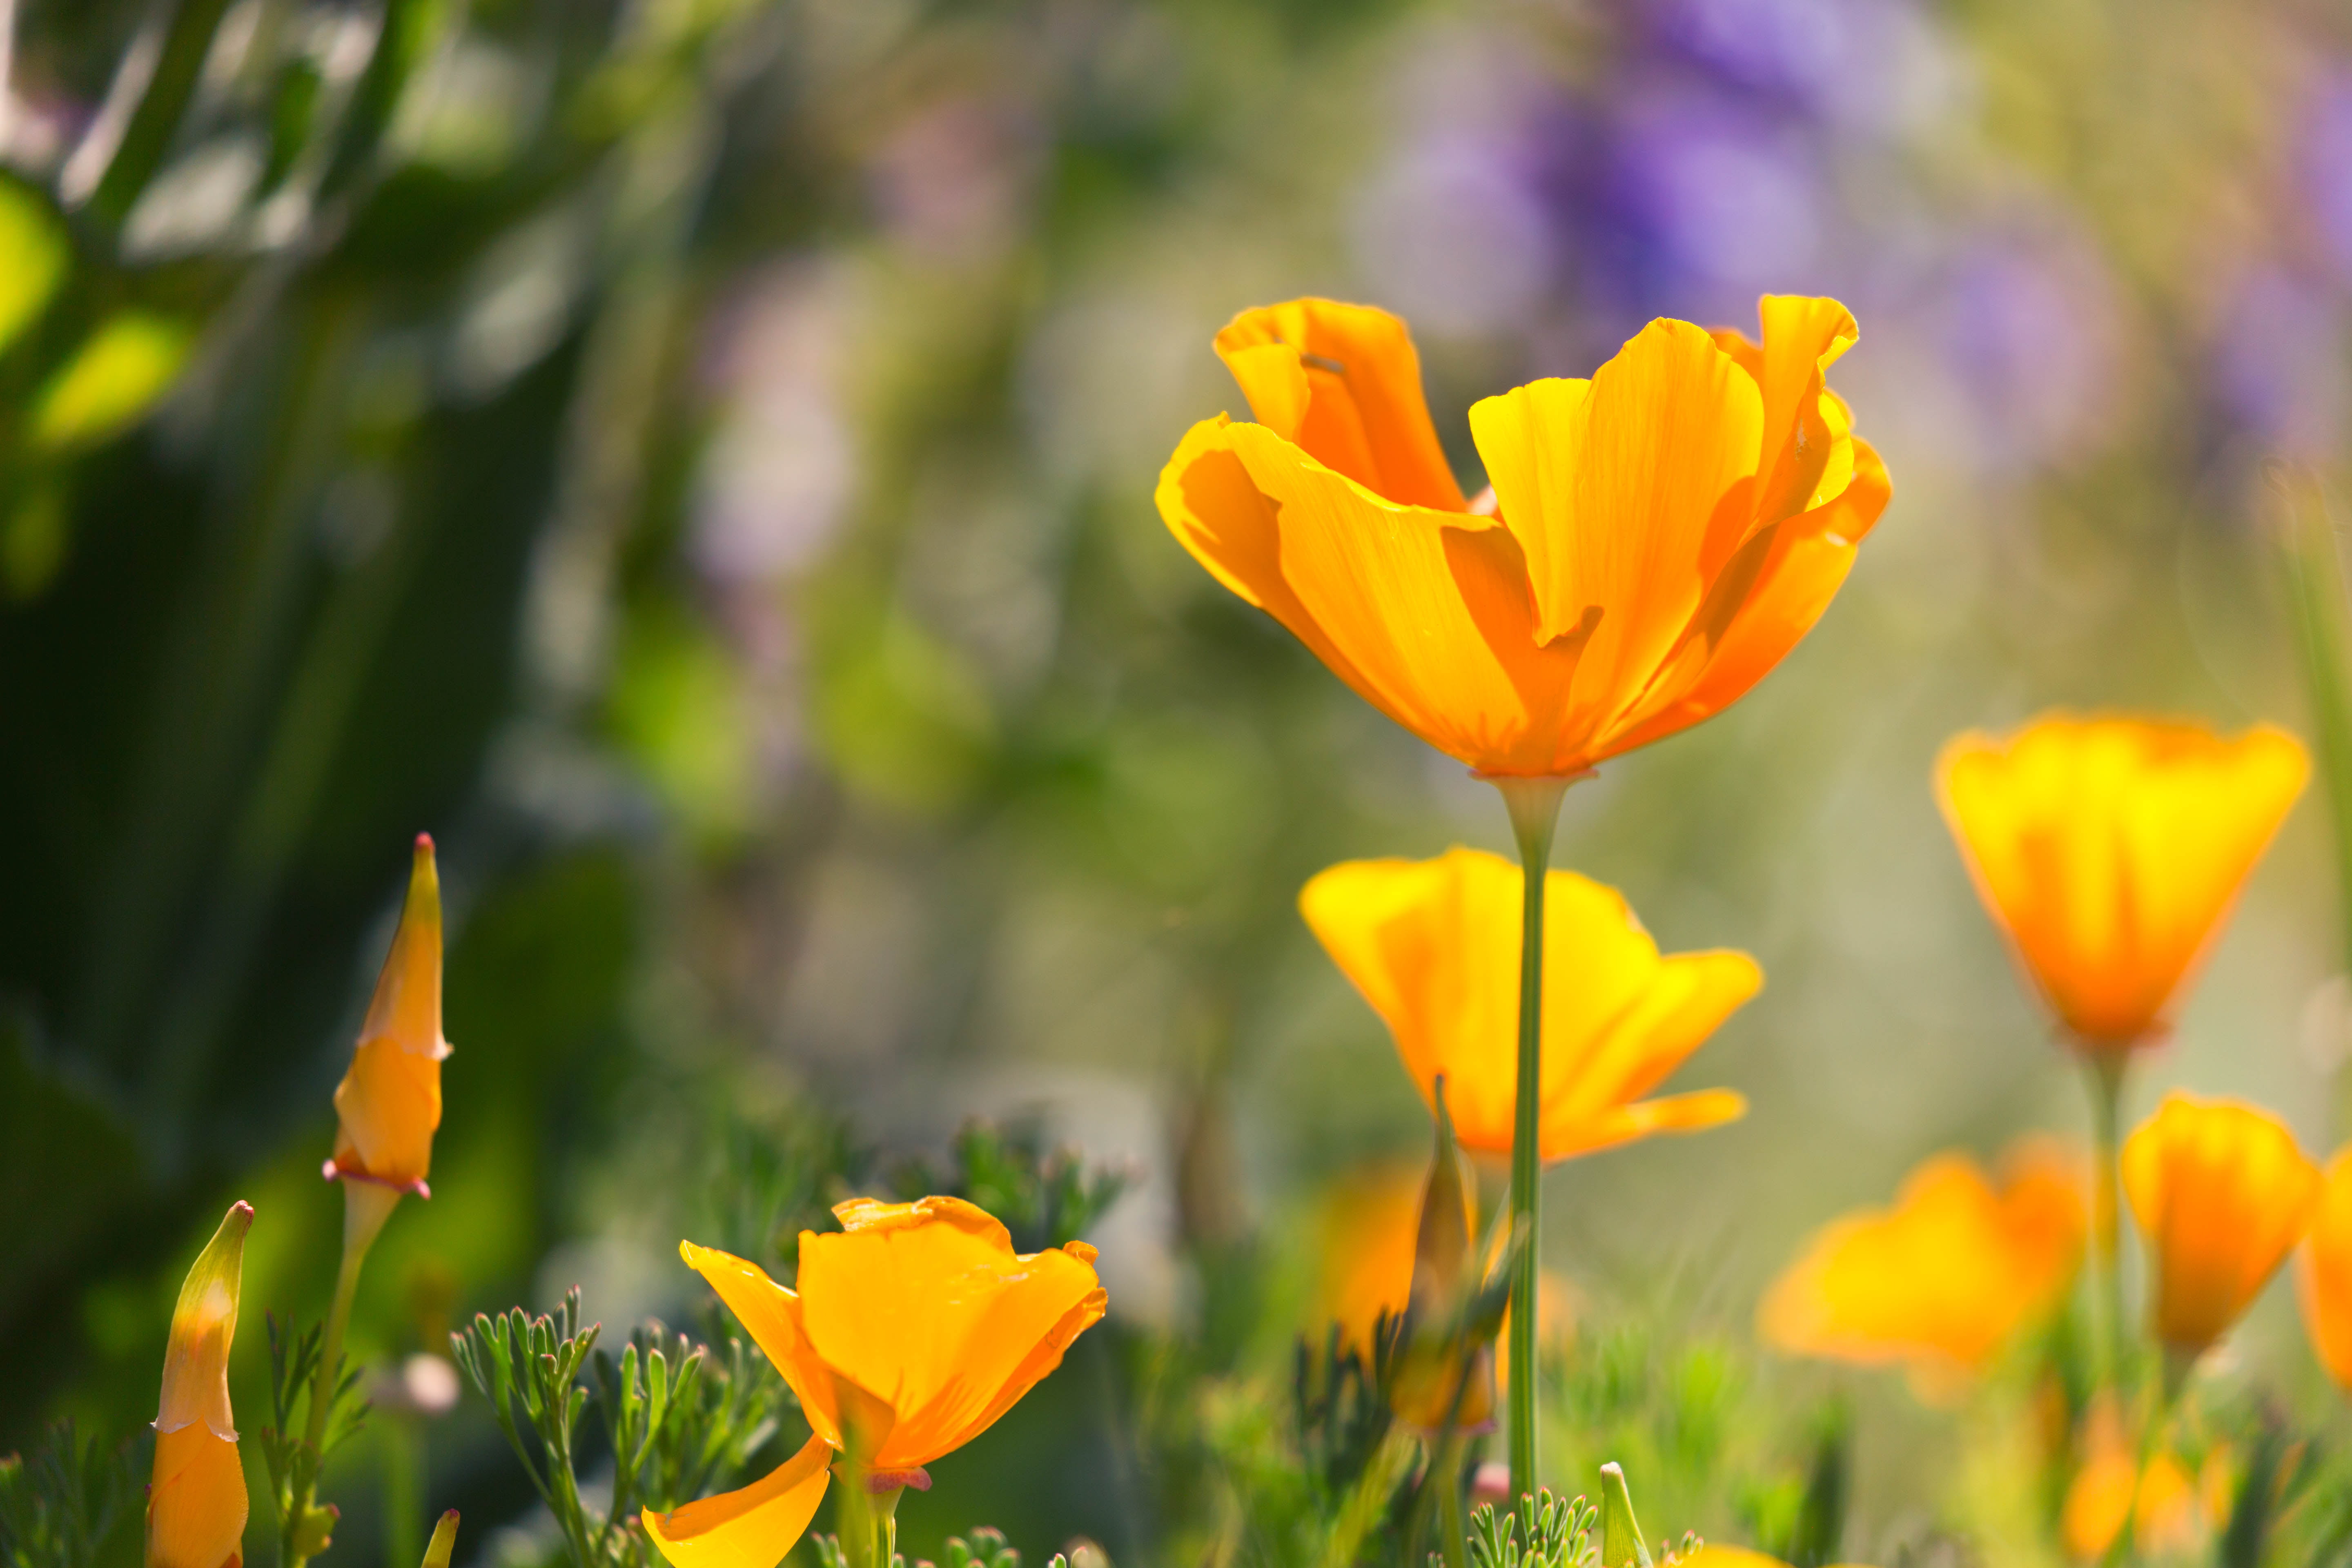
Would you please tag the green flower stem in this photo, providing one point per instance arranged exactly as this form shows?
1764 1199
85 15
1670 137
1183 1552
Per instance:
2321 598
868 1519
2103 1071
1534 807
366 1206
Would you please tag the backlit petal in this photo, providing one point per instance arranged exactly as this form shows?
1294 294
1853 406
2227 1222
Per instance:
1343 383
753 1527
2110 852
2223 1193
1621 493
1565 1137
927 1305
1802 337
2324 1273
196 1504
1378 581
771 1315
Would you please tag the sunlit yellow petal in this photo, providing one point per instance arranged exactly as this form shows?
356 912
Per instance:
927 1305
750 1528
2324 1273
1342 382
196 1505
1622 491
772 1314
2222 1193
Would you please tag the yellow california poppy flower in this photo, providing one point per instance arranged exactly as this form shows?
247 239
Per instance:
2323 1272
197 1503
1434 945
915 1325
2221 1194
390 1099
1945 1278
2110 852
1661 534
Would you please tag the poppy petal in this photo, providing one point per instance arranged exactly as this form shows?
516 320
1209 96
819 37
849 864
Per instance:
751 1527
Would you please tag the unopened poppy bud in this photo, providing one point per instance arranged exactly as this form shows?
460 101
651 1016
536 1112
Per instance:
1446 1378
389 1103
1622 1545
197 1503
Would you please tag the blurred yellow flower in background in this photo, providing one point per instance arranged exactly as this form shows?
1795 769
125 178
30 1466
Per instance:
196 1501
2221 1194
1662 535
2323 1272
914 1328
389 1103
1434 945
1946 1277
1365 1229
2171 1511
2110 852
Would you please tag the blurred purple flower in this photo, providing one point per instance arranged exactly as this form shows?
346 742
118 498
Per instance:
1721 205
954 182
2026 327
2279 367
780 468
1451 235
2325 168
1861 65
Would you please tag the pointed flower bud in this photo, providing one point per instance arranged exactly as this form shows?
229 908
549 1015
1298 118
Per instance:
1447 1377
390 1101
197 1503
438 1549
1621 1535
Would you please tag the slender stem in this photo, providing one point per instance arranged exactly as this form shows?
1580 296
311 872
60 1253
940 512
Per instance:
2103 1076
1534 807
366 1206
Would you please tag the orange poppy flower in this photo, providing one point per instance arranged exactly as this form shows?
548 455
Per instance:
2110 852
1434 945
390 1099
197 1503
1945 1278
914 1328
2221 1193
2323 1272
1662 535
